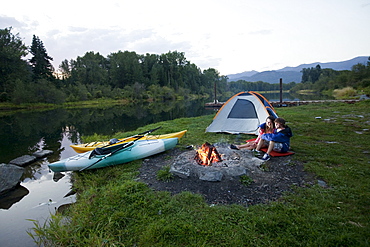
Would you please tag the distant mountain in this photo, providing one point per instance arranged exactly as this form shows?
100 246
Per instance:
344 65
271 76
243 74
275 75
289 74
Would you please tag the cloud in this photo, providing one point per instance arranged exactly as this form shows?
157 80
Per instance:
261 32
6 22
77 41
77 29
158 44
25 29
244 35
207 62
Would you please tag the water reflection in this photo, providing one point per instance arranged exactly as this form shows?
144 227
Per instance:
39 195
28 132
13 196
58 176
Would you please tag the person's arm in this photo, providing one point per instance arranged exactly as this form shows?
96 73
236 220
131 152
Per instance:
276 137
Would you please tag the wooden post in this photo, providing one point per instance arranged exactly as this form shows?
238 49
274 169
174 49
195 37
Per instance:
281 91
215 88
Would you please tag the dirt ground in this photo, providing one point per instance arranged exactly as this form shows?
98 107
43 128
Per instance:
278 175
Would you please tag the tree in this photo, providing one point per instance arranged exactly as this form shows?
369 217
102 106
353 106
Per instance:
305 75
316 73
192 77
311 74
210 80
40 62
125 69
37 91
173 64
92 68
12 66
150 68
65 69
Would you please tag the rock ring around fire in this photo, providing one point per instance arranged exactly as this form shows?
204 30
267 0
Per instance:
234 164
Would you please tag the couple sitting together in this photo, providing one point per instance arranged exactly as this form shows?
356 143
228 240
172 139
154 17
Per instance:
273 134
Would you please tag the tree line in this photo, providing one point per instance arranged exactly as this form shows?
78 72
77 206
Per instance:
132 76
120 75
327 80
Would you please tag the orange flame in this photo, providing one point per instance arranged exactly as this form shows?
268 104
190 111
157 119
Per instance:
207 154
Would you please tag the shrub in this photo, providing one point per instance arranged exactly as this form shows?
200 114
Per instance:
344 93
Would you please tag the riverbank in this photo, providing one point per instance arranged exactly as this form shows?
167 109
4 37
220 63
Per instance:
330 141
10 108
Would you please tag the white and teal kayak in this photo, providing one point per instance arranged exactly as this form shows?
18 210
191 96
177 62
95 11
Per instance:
123 153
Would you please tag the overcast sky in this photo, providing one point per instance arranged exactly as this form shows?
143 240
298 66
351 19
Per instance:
231 36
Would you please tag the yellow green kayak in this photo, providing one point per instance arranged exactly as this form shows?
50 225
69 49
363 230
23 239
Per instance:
81 148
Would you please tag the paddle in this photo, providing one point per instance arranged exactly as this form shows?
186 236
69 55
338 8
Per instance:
140 134
125 145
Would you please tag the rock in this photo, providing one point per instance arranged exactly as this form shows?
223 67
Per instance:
234 164
322 183
364 97
42 153
180 170
10 176
235 171
211 176
23 160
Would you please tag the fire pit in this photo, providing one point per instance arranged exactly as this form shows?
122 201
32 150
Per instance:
215 163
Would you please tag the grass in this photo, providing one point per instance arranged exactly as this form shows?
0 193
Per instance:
164 174
113 209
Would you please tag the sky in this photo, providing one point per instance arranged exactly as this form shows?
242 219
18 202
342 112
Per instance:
231 36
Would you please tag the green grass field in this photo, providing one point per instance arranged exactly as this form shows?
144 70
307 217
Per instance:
332 141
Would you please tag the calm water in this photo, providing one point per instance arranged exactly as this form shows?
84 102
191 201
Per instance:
41 191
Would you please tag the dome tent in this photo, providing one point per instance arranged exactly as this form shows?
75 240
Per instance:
242 113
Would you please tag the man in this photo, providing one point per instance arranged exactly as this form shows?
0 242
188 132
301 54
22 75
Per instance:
279 141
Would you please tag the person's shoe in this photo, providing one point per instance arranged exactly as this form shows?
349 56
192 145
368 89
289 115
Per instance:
265 157
257 152
232 146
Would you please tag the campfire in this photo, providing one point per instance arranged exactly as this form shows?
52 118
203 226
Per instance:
207 154
211 165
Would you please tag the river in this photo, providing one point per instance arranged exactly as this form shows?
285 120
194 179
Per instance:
41 191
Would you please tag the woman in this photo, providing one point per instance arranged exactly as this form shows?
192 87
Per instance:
279 140
266 127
